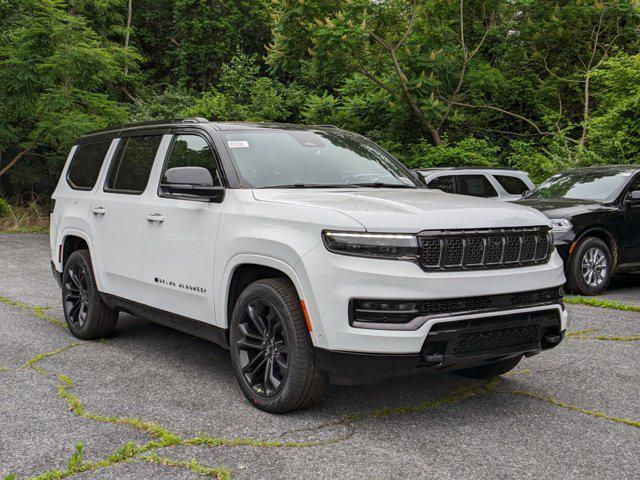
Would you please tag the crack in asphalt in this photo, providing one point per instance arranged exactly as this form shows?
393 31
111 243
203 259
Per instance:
164 438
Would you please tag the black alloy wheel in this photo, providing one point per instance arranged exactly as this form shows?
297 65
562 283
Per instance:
87 316
76 295
262 347
272 355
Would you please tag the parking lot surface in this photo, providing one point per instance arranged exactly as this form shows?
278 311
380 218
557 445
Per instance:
150 402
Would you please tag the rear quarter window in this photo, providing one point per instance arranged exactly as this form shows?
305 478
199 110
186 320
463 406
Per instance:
512 185
86 164
131 166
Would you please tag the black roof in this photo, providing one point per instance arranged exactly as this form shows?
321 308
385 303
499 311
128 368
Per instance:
223 126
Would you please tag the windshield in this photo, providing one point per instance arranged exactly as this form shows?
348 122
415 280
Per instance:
584 185
312 159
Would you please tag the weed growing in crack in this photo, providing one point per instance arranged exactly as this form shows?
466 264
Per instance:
38 312
561 404
601 303
41 356
584 335
193 465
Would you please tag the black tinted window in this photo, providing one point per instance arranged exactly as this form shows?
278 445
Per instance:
445 183
476 186
85 165
513 185
192 151
131 166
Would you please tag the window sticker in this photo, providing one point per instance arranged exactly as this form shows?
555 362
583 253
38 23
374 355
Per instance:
238 144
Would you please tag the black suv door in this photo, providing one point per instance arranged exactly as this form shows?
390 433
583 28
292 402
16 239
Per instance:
631 228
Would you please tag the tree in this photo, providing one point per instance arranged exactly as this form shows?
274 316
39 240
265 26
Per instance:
58 80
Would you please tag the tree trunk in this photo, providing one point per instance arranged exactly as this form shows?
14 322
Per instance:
585 113
15 159
128 32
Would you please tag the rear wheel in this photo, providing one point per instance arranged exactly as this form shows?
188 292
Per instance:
490 370
271 351
87 316
590 267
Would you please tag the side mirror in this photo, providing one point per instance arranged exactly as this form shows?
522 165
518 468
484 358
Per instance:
191 183
633 198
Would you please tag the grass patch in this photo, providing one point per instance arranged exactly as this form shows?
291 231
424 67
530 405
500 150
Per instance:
573 408
601 303
27 218
585 335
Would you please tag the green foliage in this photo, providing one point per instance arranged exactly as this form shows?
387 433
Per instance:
538 85
469 151
615 125
5 208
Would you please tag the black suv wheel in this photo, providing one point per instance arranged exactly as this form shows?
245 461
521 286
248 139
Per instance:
590 267
87 316
271 351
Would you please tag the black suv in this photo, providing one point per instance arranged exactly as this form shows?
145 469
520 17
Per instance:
596 219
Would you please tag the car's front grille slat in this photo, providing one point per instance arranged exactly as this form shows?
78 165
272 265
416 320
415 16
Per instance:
484 249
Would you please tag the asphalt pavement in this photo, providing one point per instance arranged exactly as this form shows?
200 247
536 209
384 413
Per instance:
150 402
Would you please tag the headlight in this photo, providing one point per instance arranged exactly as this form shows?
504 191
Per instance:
560 225
397 246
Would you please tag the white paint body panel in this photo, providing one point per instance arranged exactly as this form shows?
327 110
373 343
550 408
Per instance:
201 244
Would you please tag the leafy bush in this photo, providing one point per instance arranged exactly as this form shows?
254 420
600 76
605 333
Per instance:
469 151
5 208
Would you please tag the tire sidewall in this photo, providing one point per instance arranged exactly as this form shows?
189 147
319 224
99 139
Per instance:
296 370
78 258
577 282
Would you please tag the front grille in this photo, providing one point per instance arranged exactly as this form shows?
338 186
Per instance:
497 339
484 249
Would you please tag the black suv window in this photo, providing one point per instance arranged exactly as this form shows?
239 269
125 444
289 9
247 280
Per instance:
85 165
445 183
476 186
192 151
513 185
131 166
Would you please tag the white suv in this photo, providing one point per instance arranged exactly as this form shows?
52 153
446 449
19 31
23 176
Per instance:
308 252
499 183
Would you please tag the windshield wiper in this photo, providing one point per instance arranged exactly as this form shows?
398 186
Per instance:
383 185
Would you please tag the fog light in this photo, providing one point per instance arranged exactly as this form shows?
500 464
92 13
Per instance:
382 311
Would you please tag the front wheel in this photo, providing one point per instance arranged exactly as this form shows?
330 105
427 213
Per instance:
590 267
271 351
87 316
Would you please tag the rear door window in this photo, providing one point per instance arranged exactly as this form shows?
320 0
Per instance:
86 164
446 183
132 163
512 185
476 186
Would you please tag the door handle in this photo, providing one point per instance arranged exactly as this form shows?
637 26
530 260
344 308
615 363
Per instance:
98 211
154 217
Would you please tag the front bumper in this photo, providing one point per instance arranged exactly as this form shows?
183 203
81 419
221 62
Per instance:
330 281
450 346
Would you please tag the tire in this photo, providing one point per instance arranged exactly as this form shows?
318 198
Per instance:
590 267
87 316
490 370
271 351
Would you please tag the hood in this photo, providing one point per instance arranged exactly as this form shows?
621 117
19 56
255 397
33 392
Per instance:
560 207
399 210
